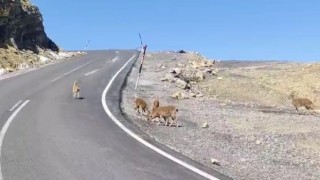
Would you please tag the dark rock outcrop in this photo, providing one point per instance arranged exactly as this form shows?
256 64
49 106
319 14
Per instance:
21 27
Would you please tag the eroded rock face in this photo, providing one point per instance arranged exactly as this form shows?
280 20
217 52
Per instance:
21 27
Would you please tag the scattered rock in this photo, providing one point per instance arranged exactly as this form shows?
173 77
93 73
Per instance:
181 65
193 95
176 71
2 71
199 75
220 78
215 72
43 59
210 63
176 95
164 79
258 142
215 162
184 96
205 125
169 77
181 84
196 65
9 69
208 70
199 95
180 95
185 78
182 52
162 66
23 66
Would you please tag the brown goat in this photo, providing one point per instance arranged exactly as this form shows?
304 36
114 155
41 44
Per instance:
155 103
301 102
165 112
75 90
141 104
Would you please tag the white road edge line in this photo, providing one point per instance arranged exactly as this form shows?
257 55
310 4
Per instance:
91 72
5 128
16 105
135 136
71 71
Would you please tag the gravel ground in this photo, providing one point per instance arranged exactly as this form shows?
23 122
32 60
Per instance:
251 141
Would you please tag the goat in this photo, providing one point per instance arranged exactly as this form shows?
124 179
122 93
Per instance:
76 90
139 103
155 103
165 112
301 102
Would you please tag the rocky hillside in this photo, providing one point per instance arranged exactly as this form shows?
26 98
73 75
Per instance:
21 27
23 41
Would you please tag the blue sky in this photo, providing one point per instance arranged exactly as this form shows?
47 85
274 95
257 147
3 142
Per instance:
219 29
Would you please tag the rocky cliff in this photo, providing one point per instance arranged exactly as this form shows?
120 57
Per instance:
21 27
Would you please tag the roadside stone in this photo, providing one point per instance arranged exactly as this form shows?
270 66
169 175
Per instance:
9 69
210 63
176 95
43 59
196 65
174 80
162 66
184 96
181 65
215 162
169 77
181 84
2 71
199 75
205 125
258 142
208 71
193 95
199 95
164 79
215 72
23 66
176 71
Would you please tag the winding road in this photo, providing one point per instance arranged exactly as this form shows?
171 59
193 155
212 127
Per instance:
46 134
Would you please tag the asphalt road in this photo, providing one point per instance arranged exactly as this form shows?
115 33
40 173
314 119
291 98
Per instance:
57 137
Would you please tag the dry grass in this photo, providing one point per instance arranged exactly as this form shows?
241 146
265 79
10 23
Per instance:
10 58
266 85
